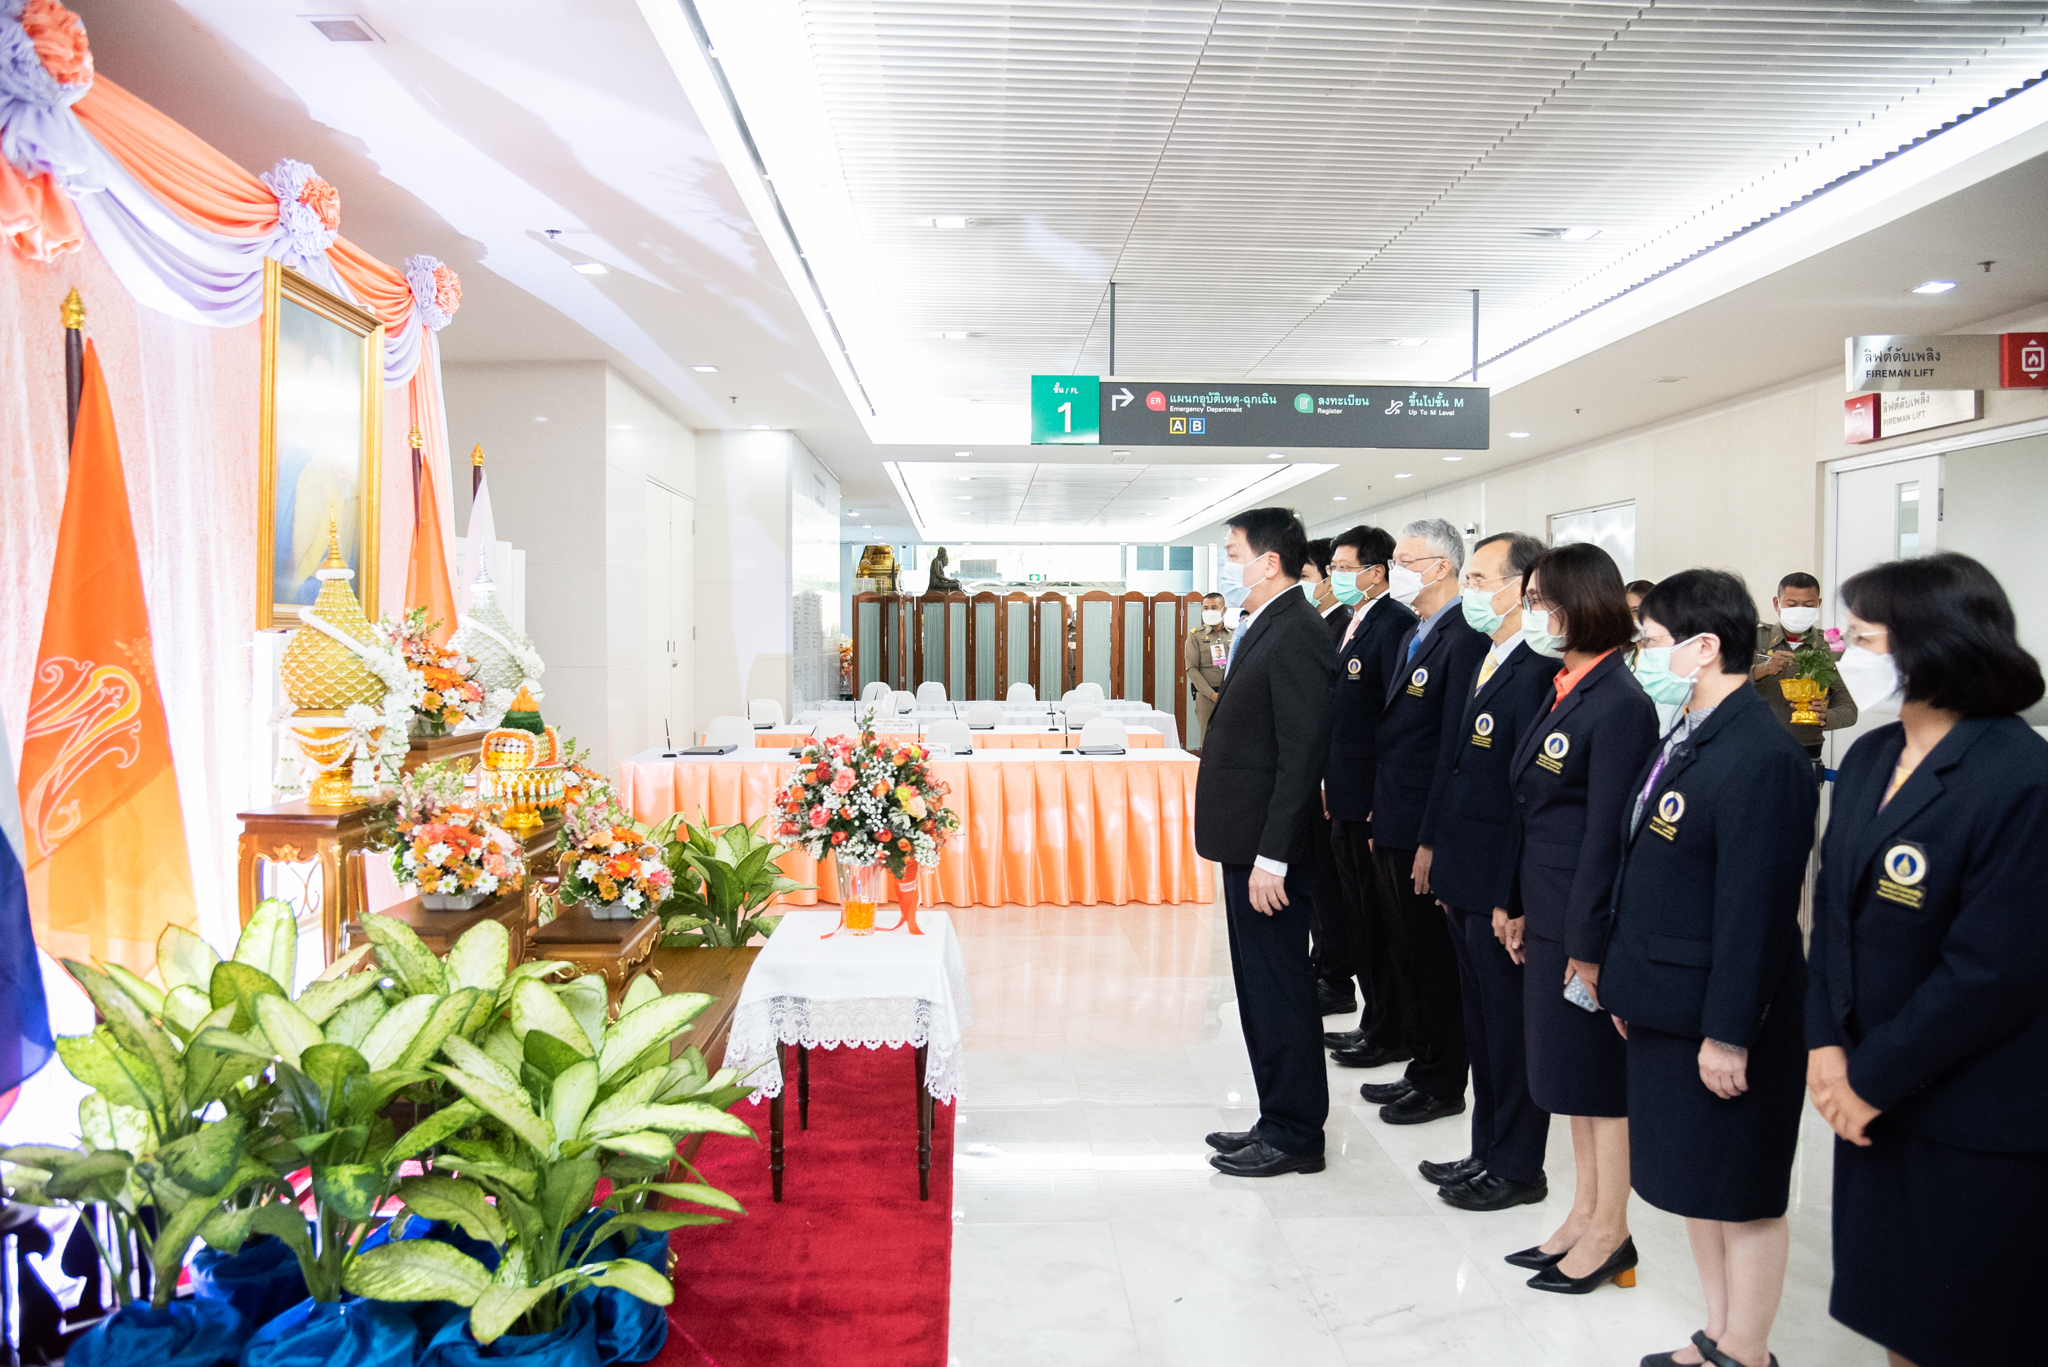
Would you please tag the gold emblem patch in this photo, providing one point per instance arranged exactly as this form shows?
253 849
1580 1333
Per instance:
1903 867
1482 730
1556 746
1352 667
1670 808
1416 681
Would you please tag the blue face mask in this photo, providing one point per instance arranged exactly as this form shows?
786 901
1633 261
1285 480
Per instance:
1479 613
1344 583
1536 634
1653 672
1230 578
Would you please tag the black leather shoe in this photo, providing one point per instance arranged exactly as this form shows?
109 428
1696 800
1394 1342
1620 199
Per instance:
1699 1341
1230 1141
1711 1351
1343 1039
1416 1108
1333 1003
1451 1174
1489 1192
1380 1093
1260 1159
1620 1268
1535 1259
1368 1058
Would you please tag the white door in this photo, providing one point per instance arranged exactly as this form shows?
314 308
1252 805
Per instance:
660 652
682 541
1887 511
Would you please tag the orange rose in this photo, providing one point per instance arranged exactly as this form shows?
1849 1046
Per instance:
324 200
59 41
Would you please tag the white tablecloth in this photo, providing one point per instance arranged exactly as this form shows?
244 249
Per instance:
813 987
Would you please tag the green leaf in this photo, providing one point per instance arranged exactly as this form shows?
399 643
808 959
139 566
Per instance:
471 1059
589 1001
685 1117
536 1007
507 1107
642 990
270 941
203 1162
238 985
478 958
329 1066
351 1189
176 1236
282 1220
227 1229
652 1145
365 1096
352 1023
327 996
504 1048
185 1009
436 1197
346 964
184 959
448 1013
634 1278
287 1028
522 1180
144 995
403 956
137 1033
499 1307
570 1101
100 1063
549 1055
700 1194
98 1177
656 1022
567 1189
229 1042
44 1157
104 1125
416 1270
388 1038
441 1125
616 1111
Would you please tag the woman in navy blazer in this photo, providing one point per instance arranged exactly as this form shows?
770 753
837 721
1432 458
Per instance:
1573 774
1927 1003
1703 971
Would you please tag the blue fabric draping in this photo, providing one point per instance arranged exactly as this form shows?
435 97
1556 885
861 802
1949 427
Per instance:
352 1333
574 1344
262 1281
190 1333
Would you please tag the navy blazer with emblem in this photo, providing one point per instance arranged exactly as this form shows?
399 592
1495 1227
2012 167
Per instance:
1469 822
1574 774
1356 700
1706 906
1423 700
1929 954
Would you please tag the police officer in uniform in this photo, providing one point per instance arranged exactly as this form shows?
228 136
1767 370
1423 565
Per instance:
1204 654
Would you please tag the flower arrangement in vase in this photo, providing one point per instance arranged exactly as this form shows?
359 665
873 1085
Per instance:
1808 679
445 690
607 863
449 846
869 804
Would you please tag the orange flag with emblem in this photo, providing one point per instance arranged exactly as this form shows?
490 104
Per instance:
426 575
105 840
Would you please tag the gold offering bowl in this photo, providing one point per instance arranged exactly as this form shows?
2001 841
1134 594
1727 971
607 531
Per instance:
1803 694
328 747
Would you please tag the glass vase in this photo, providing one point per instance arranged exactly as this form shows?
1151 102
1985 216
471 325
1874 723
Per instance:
860 888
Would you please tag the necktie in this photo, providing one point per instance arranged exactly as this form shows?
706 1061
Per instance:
1485 673
1414 644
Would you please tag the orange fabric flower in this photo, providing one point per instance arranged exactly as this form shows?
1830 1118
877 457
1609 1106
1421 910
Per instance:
59 41
324 200
447 290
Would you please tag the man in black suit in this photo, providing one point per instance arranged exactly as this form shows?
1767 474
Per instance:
1331 999
1262 764
1432 677
1354 943
1469 828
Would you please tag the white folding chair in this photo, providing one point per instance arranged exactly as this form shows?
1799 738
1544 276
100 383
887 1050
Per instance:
729 731
905 702
1105 731
931 691
765 713
875 691
1070 697
1081 714
1022 692
1091 691
984 714
950 732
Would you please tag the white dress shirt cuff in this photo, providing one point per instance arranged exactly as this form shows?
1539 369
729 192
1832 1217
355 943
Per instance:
1272 866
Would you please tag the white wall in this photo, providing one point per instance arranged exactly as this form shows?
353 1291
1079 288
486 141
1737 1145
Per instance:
642 442
744 579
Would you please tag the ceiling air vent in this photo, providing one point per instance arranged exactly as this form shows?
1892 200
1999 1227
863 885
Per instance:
343 28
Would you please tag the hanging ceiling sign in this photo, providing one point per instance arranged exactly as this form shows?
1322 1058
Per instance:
1241 413
1904 361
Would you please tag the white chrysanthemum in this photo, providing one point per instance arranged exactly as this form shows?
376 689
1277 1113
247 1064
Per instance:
488 883
633 898
617 847
437 853
587 870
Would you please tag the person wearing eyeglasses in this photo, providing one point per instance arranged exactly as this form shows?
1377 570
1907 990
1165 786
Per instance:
1927 996
1704 974
1573 773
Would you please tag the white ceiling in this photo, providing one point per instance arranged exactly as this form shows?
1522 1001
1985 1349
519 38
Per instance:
1116 501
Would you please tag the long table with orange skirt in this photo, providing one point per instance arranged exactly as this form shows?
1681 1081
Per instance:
1036 826
1002 738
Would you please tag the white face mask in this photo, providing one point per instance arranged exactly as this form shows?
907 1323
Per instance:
1403 583
1212 617
1873 682
1536 634
1798 621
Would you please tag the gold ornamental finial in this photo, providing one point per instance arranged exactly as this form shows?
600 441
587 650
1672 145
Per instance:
334 560
415 439
476 454
73 310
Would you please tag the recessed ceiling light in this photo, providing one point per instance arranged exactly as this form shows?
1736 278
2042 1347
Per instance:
1405 474
622 427
705 369
867 526
1204 479
1518 435
1276 455
760 426
591 268
954 336
1578 234
1454 458
1935 287
1343 498
962 455
949 221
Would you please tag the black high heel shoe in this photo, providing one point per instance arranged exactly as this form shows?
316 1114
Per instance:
1711 1351
1699 1341
1535 1259
1620 1267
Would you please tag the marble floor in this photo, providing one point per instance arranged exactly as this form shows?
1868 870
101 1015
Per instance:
1089 1228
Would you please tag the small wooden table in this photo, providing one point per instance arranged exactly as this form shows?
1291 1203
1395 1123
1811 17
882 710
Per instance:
299 833
427 749
617 949
439 930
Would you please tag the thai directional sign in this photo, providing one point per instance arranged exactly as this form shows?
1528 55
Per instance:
1186 413
1063 410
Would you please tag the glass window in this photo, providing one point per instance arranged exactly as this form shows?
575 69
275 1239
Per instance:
1907 521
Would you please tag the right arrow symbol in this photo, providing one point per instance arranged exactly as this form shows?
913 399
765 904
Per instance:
1120 398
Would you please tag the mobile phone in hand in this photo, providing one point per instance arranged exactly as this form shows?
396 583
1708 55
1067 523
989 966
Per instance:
1577 994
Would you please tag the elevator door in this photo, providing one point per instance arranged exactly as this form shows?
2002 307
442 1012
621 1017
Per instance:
1882 512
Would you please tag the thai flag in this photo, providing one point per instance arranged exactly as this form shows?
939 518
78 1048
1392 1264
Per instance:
24 1017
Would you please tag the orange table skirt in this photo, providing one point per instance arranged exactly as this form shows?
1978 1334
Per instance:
983 740
1069 832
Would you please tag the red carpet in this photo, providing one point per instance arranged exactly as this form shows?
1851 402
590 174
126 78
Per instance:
851 1269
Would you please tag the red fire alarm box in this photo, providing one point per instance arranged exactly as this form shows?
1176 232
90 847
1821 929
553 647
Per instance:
1859 419
2023 360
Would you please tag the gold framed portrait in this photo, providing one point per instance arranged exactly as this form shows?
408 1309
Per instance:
319 443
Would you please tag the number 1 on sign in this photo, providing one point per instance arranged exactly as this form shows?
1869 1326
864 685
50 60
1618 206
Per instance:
1066 411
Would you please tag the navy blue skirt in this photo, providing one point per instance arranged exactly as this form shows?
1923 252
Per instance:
1576 1063
1695 1155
